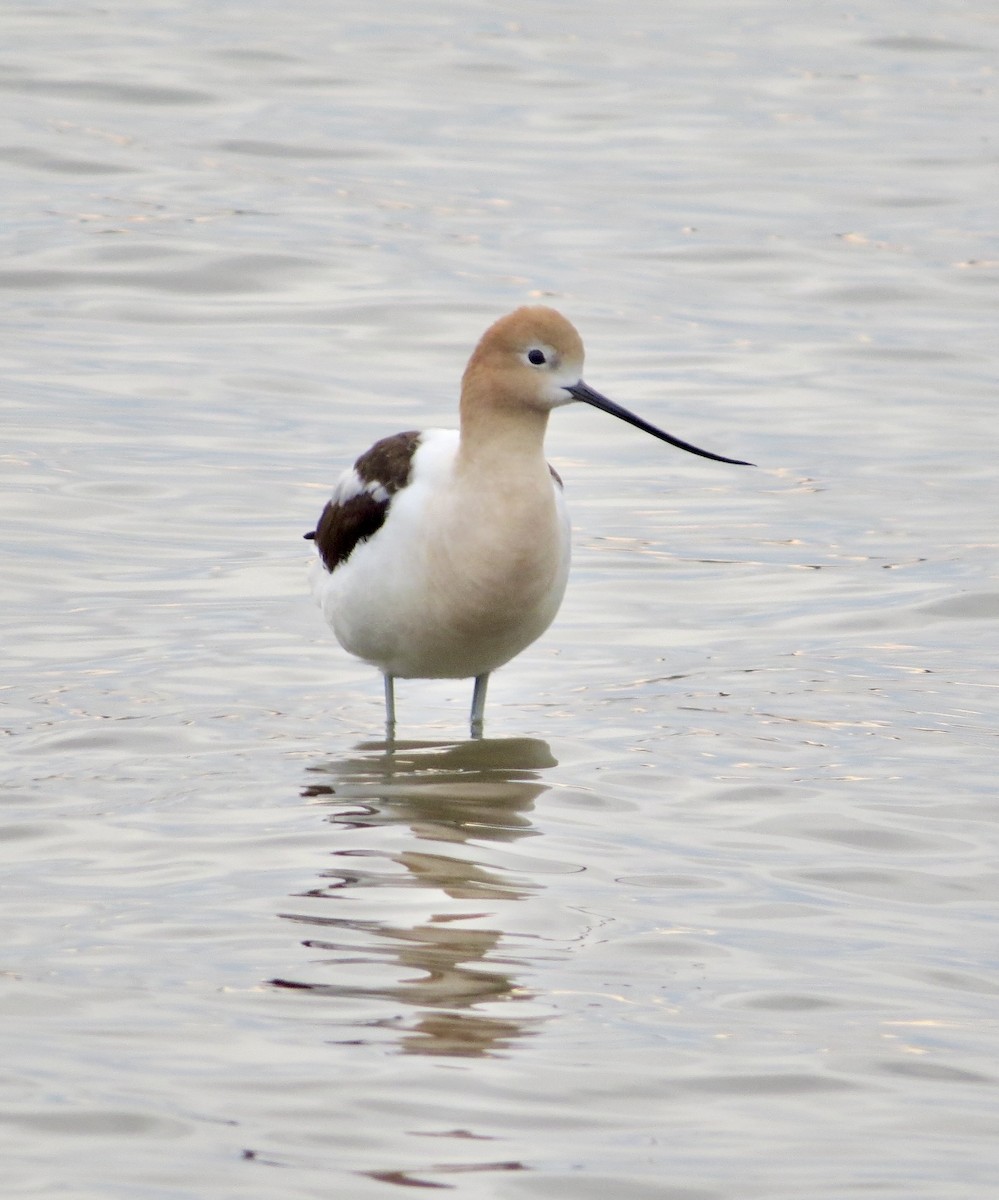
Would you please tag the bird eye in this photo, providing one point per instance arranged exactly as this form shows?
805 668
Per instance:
536 357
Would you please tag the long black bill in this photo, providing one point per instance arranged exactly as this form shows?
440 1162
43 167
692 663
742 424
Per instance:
582 391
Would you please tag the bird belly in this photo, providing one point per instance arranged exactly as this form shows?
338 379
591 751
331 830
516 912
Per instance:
447 589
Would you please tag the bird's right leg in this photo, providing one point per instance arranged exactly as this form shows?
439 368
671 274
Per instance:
389 708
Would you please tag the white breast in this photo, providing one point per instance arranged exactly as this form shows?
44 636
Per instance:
463 575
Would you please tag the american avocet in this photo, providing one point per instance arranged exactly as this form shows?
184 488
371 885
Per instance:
444 553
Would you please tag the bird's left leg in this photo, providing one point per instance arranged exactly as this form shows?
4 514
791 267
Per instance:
478 705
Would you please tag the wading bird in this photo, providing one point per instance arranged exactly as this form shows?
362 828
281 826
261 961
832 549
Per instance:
443 553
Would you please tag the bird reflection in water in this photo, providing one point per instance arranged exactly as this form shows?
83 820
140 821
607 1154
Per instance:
410 913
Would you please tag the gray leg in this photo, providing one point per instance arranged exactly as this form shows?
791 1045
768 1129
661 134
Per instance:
478 704
389 707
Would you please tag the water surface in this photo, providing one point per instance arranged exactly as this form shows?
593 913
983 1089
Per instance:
709 913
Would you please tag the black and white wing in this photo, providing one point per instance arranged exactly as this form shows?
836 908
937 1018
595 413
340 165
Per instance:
361 499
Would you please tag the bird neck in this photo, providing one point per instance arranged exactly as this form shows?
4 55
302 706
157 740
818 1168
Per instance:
504 439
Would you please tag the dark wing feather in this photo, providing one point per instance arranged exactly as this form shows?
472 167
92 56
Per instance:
361 501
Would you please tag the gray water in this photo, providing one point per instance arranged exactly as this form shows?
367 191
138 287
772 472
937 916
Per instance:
710 912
